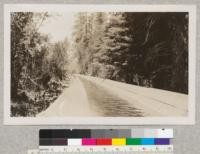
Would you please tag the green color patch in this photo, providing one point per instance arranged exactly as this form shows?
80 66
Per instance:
133 141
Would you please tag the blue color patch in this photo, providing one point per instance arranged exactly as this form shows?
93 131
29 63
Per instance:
147 141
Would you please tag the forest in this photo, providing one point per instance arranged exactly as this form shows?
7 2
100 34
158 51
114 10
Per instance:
143 49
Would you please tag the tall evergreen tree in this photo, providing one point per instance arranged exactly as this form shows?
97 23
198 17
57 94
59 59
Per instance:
117 44
82 38
98 32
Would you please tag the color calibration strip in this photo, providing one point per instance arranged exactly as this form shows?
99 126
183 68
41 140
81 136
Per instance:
106 133
105 139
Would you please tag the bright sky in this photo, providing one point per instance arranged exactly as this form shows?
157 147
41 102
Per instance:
59 26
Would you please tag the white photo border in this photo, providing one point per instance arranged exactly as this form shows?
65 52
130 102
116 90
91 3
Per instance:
190 119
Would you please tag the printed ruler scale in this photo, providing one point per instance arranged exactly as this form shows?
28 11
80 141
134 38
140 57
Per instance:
108 150
99 141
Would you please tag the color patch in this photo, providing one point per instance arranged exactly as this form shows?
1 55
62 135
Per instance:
147 141
52 133
104 141
133 141
52 141
150 133
59 141
164 133
110 133
64 133
77 142
162 141
118 141
88 141
137 133
45 142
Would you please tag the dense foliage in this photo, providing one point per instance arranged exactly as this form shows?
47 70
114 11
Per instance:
37 67
146 49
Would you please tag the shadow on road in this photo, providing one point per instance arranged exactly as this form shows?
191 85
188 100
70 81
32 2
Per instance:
108 104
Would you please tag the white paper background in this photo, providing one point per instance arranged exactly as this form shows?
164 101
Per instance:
17 139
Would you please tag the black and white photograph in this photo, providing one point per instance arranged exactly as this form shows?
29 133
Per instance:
107 62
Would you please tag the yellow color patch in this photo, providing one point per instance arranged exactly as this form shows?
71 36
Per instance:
118 141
